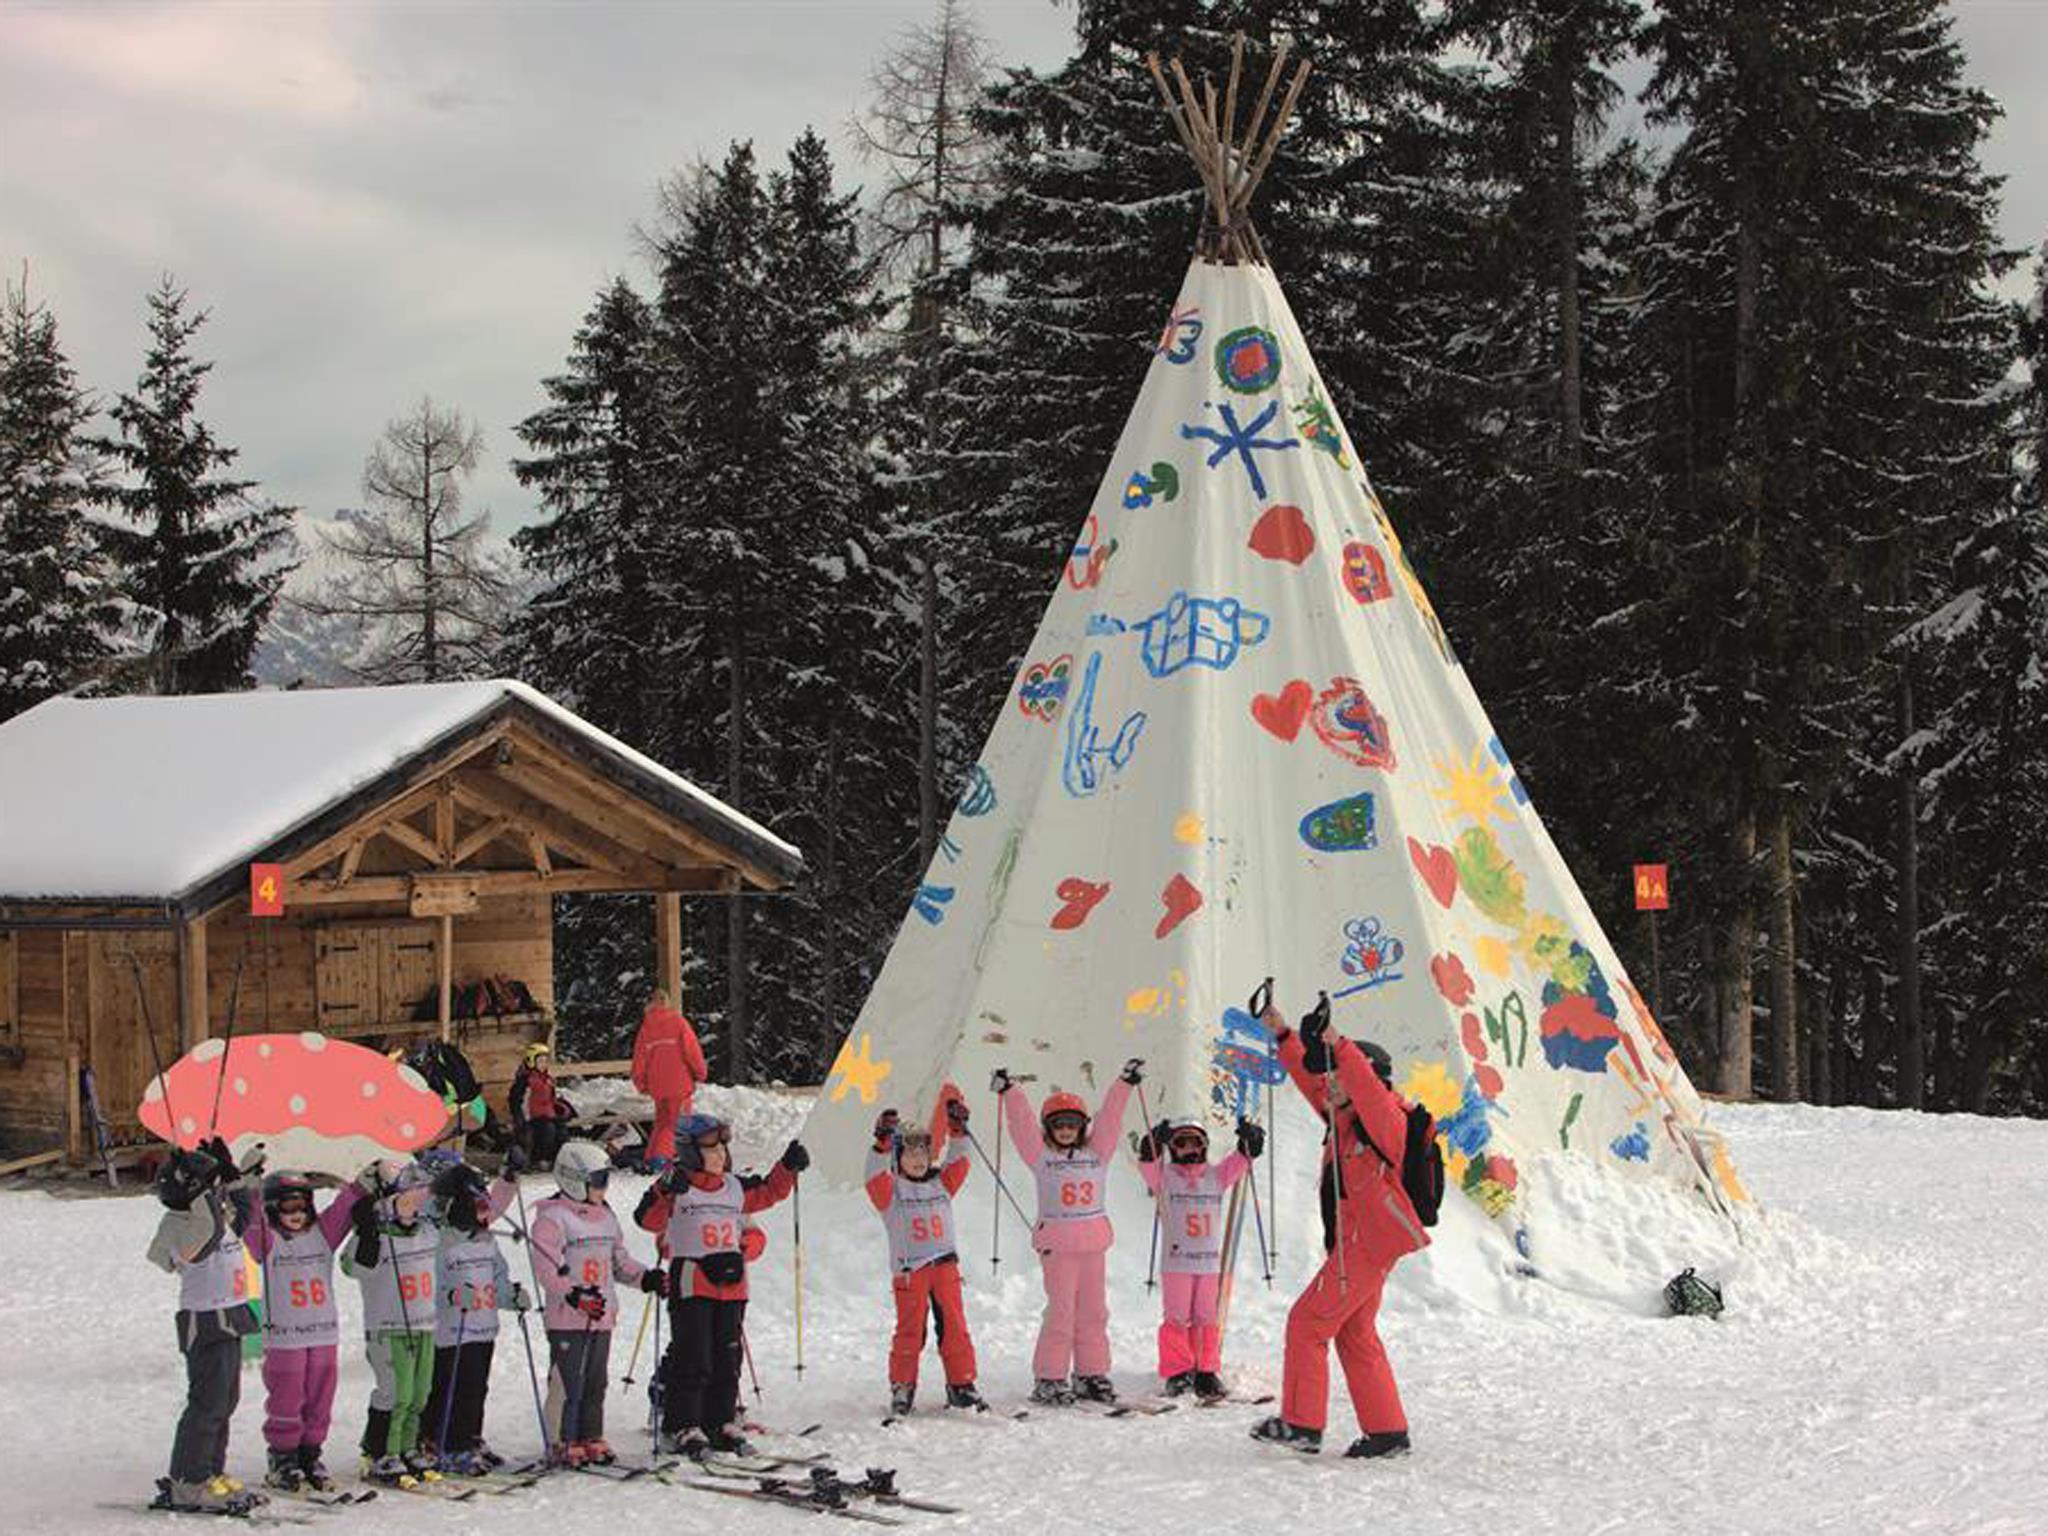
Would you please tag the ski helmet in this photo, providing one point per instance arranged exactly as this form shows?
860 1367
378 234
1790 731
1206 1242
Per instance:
538 1051
1058 1104
457 1189
1192 1133
693 1134
582 1170
184 1177
280 1187
1382 1062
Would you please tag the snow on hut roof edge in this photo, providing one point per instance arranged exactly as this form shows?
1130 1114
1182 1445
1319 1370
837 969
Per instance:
148 798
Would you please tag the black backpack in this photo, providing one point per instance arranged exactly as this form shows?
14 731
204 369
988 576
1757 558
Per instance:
1422 1164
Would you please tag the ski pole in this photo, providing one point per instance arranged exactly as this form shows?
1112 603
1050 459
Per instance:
1159 1160
639 1338
975 1142
657 1391
747 1349
540 1299
796 1197
227 1044
447 1414
995 1212
575 1403
1265 1258
1322 1011
547 1442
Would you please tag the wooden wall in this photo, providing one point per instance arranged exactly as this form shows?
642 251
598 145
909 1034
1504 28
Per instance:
32 1108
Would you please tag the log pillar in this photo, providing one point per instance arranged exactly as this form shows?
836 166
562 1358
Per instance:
445 955
668 945
192 1009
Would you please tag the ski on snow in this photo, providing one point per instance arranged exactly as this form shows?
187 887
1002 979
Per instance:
797 1497
879 1485
254 1514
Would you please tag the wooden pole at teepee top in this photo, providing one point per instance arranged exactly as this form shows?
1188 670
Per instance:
1230 162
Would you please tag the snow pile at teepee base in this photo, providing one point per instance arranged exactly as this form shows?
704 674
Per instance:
1241 745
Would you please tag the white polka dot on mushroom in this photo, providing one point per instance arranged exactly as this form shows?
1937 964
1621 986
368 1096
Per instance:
312 1041
242 1086
188 1125
406 1129
369 1090
263 1049
298 1104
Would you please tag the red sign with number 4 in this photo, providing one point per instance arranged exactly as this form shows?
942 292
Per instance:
266 890
1653 888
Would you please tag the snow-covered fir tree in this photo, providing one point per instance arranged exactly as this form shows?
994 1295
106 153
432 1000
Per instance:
56 608
198 561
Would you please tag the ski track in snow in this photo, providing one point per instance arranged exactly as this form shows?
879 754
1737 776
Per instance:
1883 1366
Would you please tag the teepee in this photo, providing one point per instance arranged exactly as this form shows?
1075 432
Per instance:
1241 746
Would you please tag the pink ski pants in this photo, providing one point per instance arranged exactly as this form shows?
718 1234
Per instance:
1188 1340
1343 1312
299 1395
1074 1334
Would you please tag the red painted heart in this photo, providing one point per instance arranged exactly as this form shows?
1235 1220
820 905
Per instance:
1282 713
1282 533
1475 1039
1183 900
1081 898
1438 869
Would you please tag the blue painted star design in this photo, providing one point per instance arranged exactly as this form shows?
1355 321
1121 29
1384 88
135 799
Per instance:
1242 440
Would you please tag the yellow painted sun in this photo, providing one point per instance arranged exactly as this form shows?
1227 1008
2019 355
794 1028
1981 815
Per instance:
1474 790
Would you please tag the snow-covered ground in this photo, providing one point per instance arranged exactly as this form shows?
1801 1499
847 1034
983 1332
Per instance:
1883 1366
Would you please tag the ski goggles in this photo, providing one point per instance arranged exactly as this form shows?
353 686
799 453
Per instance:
1068 1119
293 1205
598 1178
1187 1138
717 1138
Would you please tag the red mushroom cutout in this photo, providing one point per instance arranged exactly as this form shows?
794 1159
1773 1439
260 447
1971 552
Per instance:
315 1105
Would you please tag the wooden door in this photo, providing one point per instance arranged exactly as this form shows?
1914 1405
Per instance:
411 968
133 983
346 966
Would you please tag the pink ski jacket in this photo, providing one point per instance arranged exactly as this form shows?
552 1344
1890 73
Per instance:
1072 1186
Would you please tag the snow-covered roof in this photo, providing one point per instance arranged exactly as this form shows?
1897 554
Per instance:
151 798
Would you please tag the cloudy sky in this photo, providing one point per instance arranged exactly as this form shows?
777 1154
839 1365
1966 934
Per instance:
381 200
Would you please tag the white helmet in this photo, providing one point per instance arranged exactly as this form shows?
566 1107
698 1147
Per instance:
581 1167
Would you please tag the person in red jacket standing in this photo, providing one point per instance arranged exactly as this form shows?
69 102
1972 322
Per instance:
1370 1226
668 1064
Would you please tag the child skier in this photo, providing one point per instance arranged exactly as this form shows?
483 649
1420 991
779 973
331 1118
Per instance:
1073 1234
578 1249
472 1284
301 1326
1190 1190
540 1119
912 1183
392 1259
700 1206
1371 1225
199 1240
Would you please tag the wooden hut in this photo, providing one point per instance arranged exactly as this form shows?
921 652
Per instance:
413 838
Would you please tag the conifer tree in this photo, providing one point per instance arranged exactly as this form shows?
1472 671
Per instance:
199 563
56 608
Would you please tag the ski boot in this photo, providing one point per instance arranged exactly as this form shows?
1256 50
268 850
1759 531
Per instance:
1277 1431
1180 1384
1209 1387
491 1459
569 1453
1392 1442
597 1454
732 1440
285 1472
1052 1392
424 1465
211 1497
389 1470
1094 1389
962 1394
689 1444
902 1394
464 1464
314 1470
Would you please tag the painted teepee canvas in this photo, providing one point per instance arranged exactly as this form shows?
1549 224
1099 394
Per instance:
1241 745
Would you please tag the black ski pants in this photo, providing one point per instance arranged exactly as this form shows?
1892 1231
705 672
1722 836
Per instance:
467 1372
578 1372
701 1372
213 1389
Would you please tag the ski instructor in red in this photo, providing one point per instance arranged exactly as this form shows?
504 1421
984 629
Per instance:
1347 1084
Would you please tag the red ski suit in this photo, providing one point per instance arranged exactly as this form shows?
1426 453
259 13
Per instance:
668 1064
925 1269
1376 1227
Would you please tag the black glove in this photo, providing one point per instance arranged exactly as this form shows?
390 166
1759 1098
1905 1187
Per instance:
654 1282
1251 1139
795 1158
673 1178
956 1114
885 1127
1150 1143
516 1159
364 1220
999 1080
1316 1022
1134 1071
223 1158
588 1300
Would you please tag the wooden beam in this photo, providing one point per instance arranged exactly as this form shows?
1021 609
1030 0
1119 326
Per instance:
447 964
444 822
409 837
350 860
481 838
561 829
423 788
33 1160
668 944
537 846
367 890
192 1021
74 1108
